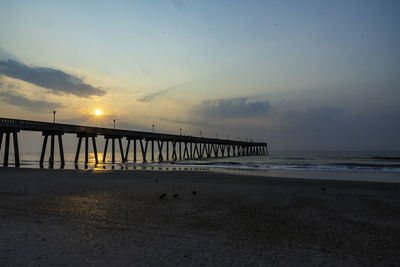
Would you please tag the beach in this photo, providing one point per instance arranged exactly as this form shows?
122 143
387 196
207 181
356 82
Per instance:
126 217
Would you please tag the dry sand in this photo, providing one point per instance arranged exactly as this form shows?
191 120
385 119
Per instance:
116 218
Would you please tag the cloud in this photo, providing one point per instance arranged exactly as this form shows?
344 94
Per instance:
314 118
332 128
28 104
53 79
179 5
233 108
189 122
5 55
151 97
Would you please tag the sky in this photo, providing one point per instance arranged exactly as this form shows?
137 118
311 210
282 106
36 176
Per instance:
301 75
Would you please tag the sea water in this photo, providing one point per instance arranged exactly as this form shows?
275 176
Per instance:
309 160
360 161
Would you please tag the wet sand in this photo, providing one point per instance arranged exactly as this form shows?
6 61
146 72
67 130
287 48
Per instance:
117 218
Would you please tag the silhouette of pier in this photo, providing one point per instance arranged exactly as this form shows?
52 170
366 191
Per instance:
183 147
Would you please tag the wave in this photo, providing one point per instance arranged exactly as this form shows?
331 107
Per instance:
373 165
297 158
368 163
339 167
264 166
385 158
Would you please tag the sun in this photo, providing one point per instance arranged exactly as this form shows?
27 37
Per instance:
98 112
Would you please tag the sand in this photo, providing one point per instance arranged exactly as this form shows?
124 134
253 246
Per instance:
117 218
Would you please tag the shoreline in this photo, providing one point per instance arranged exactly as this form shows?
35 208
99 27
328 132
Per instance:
69 217
336 175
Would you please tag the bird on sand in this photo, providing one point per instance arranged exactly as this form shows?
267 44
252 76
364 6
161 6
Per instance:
163 195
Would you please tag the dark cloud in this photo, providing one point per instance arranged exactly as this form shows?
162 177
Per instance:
28 104
314 118
55 80
311 129
331 128
151 97
233 108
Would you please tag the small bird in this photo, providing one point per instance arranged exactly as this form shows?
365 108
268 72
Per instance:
176 196
194 192
323 188
163 195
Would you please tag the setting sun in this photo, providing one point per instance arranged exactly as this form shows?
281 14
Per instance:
98 112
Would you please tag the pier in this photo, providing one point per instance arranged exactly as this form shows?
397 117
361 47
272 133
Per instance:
182 147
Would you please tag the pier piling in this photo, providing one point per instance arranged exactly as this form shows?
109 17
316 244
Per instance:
7 133
144 149
113 137
6 149
86 136
167 147
52 135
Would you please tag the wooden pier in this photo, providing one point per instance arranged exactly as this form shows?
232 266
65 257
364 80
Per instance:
183 147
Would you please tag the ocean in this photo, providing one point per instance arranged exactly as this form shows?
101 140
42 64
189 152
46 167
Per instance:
365 161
